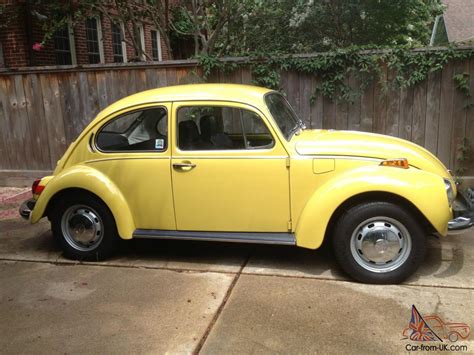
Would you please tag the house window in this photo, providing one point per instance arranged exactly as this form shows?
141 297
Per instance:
94 41
118 44
64 46
155 45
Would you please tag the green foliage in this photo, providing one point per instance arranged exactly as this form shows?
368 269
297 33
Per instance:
303 26
461 82
391 68
462 155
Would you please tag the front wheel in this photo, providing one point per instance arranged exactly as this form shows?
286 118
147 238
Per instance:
84 227
379 242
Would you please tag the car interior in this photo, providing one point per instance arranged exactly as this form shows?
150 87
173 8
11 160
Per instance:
144 130
221 128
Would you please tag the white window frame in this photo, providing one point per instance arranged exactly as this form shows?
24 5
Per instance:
142 40
72 42
100 39
158 42
124 44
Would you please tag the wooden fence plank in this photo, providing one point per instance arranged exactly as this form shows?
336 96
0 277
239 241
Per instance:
329 113
445 118
131 84
317 106
70 104
246 75
151 78
93 106
406 113
458 116
101 78
419 113
469 164
306 92
367 108
53 114
342 114
6 148
353 119
18 124
140 78
393 109
162 81
432 111
380 110
38 129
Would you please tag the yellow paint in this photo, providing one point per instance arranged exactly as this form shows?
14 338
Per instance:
321 166
302 181
231 190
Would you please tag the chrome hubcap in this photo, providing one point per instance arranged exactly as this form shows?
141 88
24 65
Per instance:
82 227
380 244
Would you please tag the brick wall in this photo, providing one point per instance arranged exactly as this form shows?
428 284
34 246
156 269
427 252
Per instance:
13 37
16 44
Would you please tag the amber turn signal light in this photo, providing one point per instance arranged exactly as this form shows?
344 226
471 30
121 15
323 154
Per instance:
397 163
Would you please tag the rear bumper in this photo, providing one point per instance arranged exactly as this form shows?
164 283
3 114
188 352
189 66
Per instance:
26 208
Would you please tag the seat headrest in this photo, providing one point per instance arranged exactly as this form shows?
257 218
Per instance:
188 132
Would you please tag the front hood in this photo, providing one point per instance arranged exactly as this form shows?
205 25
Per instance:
366 145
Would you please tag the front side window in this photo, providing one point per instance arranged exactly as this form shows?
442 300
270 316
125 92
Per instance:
221 128
140 130
283 115
93 40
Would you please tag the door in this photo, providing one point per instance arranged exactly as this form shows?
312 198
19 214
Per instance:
228 169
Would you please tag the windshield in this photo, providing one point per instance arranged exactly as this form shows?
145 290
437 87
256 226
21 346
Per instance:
283 115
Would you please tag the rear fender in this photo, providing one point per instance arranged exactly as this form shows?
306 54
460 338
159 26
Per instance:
425 190
92 180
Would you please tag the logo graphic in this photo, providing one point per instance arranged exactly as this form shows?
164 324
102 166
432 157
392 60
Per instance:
433 328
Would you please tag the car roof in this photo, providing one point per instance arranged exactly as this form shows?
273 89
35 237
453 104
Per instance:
212 92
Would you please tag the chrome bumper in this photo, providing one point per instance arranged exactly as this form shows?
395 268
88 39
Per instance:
463 211
26 208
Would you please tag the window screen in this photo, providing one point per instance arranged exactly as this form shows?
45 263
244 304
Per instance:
117 46
62 46
92 41
141 130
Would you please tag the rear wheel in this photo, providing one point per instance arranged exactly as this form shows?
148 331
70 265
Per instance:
379 242
84 227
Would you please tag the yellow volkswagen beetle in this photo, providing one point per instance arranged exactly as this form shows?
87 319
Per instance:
222 162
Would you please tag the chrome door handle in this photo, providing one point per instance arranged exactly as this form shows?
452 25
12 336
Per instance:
184 166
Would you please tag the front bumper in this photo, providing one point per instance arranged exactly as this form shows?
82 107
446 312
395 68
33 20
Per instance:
26 208
463 211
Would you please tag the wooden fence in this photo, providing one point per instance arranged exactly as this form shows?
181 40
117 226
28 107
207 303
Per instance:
42 110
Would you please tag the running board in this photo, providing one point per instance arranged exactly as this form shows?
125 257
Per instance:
233 237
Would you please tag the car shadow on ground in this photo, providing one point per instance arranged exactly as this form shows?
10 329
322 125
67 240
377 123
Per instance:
21 240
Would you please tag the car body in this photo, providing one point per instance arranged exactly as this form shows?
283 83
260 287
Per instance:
231 162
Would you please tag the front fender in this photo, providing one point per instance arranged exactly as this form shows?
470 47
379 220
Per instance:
425 190
92 180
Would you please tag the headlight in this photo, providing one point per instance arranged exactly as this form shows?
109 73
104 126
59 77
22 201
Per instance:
449 190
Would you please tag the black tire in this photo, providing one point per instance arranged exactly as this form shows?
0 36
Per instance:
351 261
108 243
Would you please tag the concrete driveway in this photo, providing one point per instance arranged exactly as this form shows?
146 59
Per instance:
215 298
